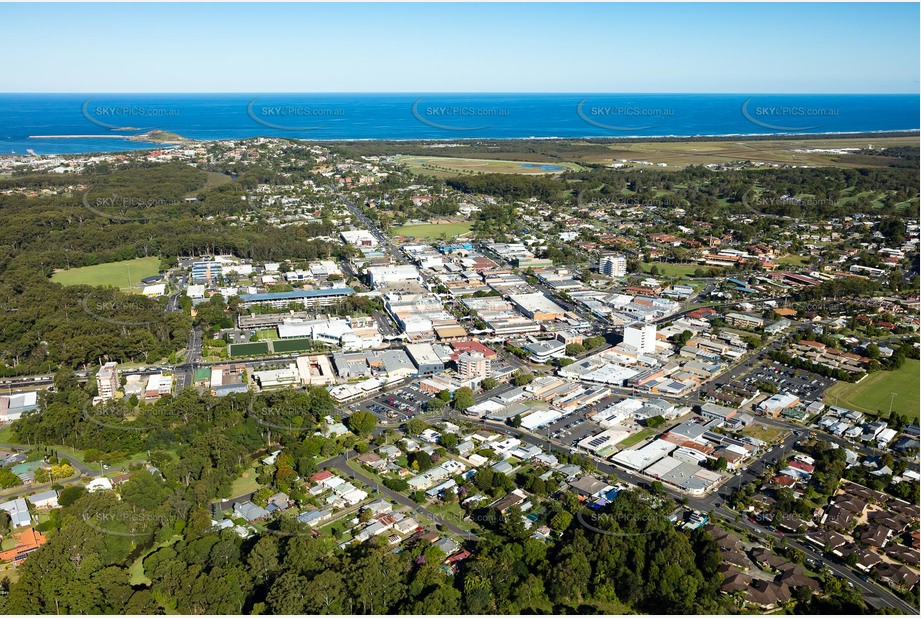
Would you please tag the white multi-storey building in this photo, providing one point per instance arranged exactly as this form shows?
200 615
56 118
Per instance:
107 380
613 265
641 336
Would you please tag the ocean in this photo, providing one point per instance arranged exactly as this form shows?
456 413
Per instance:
98 123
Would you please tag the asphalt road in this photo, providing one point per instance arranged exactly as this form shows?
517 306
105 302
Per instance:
382 238
340 463
77 464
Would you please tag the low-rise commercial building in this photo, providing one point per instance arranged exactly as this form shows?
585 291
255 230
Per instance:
426 359
315 370
307 298
537 307
382 275
745 320
278 378
545 351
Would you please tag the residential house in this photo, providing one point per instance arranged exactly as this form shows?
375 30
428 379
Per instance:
99 484
26 541
18 511
44 500
279 502
373 461
249 511
314 518
767 595
515 498
897 576
405 526
389 452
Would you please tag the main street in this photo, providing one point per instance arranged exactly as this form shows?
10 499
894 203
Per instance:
371 226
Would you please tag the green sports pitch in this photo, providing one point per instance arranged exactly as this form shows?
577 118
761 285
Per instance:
249 349
434 230
282 346
873 394
124 275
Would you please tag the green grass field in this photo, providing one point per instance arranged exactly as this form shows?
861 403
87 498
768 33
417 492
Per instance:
265 334
451 166
452 512
680 154
249 349
282 346
761 432
874 392
433 230
636 438
792 260
245 483
124 275
215 179
672 270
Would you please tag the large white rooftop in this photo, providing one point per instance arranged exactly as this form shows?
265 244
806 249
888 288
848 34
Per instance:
642 458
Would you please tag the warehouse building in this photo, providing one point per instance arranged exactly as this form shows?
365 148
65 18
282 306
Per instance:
390 363
382 275
359 238
642 458
537 307
13 406
426 359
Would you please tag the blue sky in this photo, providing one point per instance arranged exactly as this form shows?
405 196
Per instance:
743 48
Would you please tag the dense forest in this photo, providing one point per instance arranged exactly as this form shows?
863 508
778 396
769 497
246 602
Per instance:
112 214
509 186
797 193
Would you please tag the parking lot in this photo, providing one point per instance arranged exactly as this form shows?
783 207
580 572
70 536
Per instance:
806 385
395 406
236 335
571 429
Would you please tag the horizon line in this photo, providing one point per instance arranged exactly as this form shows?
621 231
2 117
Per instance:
470 92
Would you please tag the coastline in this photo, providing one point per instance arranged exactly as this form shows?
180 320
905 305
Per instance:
174 139
701 137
